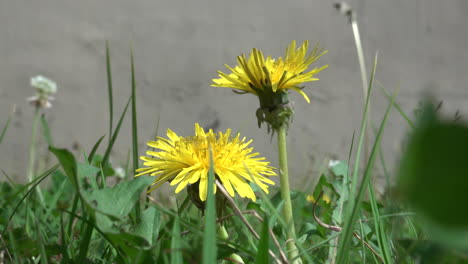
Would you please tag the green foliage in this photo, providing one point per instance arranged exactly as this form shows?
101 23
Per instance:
434 176
89 215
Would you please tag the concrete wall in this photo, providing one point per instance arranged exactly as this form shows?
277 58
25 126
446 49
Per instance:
179 46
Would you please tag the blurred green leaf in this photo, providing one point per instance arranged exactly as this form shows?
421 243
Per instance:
434 173
339 168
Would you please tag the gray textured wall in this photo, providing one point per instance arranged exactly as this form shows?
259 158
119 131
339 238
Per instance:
179 46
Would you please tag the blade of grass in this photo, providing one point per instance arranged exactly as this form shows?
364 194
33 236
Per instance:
209 235
109 89
7 124
76 197
352 217
134 115
385 170
85 241
115 134
94 149
40 241
103 177
264 244
363 247
176 245
63 241
348 229
10 180
155 136
382 238
14 246
134 129
156 131
397 106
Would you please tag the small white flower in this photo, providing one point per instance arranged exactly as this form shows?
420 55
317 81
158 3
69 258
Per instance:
119 172
44 85
333 163
44 88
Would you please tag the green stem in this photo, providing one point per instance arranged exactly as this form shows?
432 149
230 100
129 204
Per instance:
32 151
362 66
286 195
32 146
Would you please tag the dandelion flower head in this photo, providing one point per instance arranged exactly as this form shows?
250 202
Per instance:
186 161
262 76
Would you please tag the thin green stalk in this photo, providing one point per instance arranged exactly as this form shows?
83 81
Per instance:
40 241
362 66
109 89
360 53
5 128
32 145
286 195
134 130
382 238
13 245
32 152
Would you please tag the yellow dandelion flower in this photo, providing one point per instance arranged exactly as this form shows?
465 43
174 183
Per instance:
325 198
186 161
266 76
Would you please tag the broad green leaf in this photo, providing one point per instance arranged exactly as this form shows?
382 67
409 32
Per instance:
68 162
149 225
117 201
87 177
339 168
